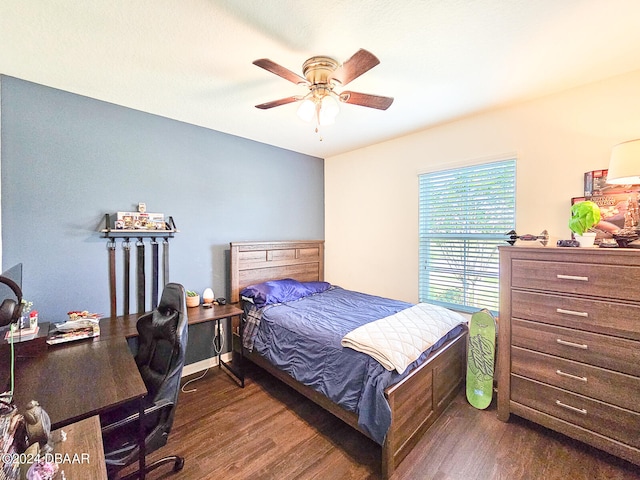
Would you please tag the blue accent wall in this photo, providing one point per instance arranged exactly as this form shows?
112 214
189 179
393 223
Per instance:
66 160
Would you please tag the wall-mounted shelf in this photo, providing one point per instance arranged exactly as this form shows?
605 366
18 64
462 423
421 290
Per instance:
135 239
109 232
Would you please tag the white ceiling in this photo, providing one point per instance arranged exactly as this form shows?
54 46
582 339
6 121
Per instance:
190 60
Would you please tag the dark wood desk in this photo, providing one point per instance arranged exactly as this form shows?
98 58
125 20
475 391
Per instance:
216 312
125 326
77 380
82 454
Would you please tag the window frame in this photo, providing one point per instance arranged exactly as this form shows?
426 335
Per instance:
459 224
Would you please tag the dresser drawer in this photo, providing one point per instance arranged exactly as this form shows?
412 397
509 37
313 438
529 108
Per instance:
613 422
597 316
607 281
603 351
606 385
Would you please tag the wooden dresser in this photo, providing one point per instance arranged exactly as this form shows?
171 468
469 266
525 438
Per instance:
569 343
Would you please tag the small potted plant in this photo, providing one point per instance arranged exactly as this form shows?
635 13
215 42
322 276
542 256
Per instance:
193 299
584 216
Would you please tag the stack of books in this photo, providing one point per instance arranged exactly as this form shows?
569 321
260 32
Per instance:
77 329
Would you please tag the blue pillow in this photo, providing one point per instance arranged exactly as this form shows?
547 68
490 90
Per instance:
316 287
278 291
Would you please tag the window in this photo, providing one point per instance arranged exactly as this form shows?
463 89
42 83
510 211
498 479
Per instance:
464 216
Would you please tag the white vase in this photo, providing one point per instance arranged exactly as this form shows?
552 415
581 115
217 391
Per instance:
587 239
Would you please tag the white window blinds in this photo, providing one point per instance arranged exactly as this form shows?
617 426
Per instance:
464 216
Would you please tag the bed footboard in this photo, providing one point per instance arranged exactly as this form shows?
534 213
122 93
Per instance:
418 400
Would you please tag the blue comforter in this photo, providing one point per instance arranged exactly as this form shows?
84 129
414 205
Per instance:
303 337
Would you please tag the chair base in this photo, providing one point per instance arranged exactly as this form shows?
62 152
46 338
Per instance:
178 463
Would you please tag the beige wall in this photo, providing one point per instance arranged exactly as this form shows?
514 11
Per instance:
371 194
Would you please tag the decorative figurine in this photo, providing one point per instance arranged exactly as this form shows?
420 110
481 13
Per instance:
513 236
37 424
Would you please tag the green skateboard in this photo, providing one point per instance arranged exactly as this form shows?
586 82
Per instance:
480 359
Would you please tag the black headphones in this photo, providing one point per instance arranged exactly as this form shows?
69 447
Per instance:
10 310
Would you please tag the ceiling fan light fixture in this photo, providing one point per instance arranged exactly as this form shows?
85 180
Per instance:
322 108
328 111
307 110
321 74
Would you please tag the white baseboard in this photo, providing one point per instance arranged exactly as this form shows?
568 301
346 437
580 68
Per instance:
204 364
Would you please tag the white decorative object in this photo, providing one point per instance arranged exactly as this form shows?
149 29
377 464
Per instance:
207 296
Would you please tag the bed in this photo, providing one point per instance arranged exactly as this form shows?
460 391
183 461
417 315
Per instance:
415 401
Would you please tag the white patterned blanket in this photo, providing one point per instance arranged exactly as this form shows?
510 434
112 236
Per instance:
398 340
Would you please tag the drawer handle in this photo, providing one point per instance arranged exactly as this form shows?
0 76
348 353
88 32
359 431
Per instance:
582 346
568 375
573 277
572 312
583 411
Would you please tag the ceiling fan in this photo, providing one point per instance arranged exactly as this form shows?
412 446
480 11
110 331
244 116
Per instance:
322 75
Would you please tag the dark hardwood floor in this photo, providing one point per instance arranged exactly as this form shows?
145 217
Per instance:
268 431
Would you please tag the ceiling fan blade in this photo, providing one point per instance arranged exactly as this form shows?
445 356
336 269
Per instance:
280 71
361 62
366 100
277 103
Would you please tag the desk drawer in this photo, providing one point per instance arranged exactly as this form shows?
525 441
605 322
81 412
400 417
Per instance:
604 351
610 387
597 316
608 281
608 420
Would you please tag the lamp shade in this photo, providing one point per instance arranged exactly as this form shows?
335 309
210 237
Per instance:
307 110
207 296
624 166
328 111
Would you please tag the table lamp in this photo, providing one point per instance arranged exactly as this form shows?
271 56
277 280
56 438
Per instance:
624 169
624 165
207 296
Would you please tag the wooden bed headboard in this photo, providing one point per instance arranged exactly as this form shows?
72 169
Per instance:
256 262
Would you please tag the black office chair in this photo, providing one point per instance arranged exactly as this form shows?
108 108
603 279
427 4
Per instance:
162 343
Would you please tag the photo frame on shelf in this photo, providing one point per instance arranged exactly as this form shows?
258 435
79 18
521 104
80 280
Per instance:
139 221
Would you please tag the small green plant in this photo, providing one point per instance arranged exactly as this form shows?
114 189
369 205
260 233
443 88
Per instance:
584 216
191 293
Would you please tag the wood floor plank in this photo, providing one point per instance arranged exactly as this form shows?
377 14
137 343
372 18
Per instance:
268 431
